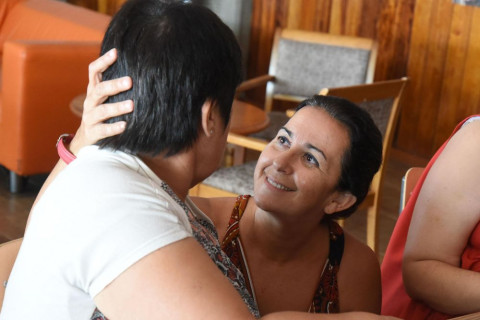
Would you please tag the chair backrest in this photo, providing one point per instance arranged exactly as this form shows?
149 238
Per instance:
409 181
303 61
381 99
8 254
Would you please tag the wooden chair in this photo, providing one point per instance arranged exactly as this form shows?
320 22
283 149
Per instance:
301 62
8 254
409 181
382 101
234 180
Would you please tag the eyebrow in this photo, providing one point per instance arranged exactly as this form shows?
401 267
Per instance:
309 145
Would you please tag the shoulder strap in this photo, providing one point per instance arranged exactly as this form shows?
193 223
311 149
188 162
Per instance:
233 224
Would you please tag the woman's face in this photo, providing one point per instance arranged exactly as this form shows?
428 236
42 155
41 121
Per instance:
298 171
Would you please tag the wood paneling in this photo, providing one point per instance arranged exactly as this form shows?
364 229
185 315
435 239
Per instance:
444 68
434 42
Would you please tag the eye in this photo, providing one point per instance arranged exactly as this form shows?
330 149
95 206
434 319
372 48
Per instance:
283 141
311 160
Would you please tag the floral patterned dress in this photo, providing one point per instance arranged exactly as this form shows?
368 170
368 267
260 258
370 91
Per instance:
326 298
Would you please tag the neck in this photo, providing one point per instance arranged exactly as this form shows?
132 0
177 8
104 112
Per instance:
176 171
281 239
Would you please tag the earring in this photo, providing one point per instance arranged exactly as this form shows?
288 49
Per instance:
211 131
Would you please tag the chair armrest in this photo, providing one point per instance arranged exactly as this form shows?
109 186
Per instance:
39 79
254 82
247 142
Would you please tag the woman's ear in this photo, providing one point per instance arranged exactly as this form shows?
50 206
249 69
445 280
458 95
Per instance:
209 118
340 202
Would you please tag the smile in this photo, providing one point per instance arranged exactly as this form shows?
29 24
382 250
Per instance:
278 185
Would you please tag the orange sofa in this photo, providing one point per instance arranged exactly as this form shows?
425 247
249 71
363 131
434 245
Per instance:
45 49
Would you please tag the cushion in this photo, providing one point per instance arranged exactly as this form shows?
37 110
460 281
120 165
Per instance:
379 110
303 68
236 179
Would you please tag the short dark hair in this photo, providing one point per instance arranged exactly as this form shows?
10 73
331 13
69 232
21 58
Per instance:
178 55
363 158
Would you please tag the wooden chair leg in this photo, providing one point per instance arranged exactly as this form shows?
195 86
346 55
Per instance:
372 227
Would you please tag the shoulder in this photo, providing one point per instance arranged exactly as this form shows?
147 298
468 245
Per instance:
217 209
359 274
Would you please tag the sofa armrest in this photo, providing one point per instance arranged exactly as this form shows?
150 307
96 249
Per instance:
39 79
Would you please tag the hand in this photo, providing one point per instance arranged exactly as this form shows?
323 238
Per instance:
95 112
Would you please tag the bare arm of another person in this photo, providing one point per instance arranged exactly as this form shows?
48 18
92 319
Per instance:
172 287
446 213
92 129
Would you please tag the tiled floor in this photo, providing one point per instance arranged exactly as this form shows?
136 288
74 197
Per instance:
14 208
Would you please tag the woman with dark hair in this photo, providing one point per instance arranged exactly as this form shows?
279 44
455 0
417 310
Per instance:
285 241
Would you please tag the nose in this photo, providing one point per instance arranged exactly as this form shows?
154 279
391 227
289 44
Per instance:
283 162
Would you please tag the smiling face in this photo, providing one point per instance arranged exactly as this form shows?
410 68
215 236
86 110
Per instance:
298 171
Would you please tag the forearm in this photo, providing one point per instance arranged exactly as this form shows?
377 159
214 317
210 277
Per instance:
443 287
74 146
312 316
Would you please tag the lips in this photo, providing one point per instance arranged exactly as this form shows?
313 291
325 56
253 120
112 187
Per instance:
278 185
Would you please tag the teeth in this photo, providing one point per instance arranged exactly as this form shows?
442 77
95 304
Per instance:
277 185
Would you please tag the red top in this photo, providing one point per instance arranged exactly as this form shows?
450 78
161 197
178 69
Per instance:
395 300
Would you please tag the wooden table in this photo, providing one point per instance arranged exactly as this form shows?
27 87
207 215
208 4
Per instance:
246 118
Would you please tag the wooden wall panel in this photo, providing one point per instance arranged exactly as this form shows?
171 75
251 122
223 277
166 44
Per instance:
444 68
434 42
393 36
453 86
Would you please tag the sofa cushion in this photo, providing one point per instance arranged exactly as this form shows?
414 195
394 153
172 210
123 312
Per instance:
51 20
5 7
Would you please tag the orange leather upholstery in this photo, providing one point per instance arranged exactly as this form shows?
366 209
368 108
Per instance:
45 46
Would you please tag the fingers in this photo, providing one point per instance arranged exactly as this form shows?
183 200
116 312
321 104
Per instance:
92 128
95 112
98 66
104 89
107 130
98 91
105 111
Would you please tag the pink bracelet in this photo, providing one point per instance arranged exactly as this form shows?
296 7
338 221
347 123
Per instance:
63 152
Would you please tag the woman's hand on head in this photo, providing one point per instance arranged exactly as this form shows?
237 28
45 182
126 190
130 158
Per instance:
92 128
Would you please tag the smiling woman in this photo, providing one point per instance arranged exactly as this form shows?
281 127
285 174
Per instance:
292 253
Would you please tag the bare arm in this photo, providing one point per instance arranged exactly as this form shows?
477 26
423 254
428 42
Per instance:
447 211
166 285
92 129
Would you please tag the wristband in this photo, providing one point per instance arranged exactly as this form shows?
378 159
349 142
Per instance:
63 152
